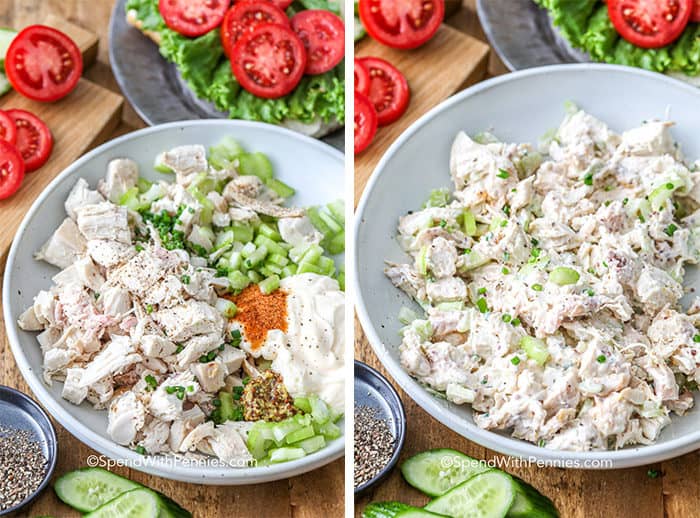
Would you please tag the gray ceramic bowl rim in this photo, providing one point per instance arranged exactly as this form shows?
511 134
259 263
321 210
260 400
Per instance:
624 458
49 430
398 441
103 445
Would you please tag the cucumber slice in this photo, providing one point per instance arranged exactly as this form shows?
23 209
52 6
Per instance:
88 488
6 37
435 472
140 503
487 495
359 29
395 510
530 503
5 85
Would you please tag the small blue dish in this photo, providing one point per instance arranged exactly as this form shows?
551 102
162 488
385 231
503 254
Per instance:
374 390
19 411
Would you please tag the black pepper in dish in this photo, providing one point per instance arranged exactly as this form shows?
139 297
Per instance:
374 444
23 466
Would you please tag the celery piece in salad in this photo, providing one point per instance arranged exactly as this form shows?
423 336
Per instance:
238 280
563 275
143 184
223 154
242 233
280 188
303 404
312 444
159 166
226 307
255 164
535 349
407 315
658 197
437 198
286 454
270 284
469 222
301 434
337 209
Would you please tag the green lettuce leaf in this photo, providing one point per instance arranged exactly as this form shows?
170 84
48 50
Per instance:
600 36
207 71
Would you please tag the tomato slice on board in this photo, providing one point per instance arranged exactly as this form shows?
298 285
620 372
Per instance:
245 17
323 34
404 24
270 61
11 170
365 122
43 64
282 4
650 23
361 78
8 130
695 13
34 140
388 89
193 17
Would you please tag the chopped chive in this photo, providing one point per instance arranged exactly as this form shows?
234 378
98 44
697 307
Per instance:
696 339
541 443
481 291
515 322
534 242
140 450
504 223
515 360
506 318
151 381
506 209
443 223
185 279
180 395
607 203
502 173
590 292
670 186
149 308
670 230
653 473
505 271
625 201
535 252
190 388
601 358
537 287
588 179
481 304
139 248
216 402
467 250
171 390
506 256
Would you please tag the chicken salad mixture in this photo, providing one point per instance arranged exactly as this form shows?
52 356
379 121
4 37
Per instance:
205 316
550 280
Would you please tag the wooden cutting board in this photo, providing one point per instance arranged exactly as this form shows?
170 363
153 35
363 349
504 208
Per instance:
450 62
79 121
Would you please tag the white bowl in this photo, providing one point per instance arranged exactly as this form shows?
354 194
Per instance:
517 107
312 167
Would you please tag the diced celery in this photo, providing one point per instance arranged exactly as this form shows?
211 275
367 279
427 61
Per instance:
235 260
242 233
563 275
300 435
280 188
248 250
272 268
223 239
143 184
320 412
303 404
657 198
238 280
438 198
424 329
256 257
159 166
289 270
286 454
226 307
270 284
450 306
130 200
260 438
153 193
422 261
267 231
337 208
332 223
341 279
312 444
473 260
469 222
309 268
406 315
312 254
279 260
270 245
255 164
227 406
317 221
222 155
326 265
283 428
204 183
297 252
254 276
336 245
535 349
328 430
207 209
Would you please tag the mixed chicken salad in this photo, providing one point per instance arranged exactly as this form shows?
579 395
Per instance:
202 314
550 281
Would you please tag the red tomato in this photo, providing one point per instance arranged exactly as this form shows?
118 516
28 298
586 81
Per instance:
245 17
282 4
11 170
193 17
361 78
365 122
43 64
8 131
323 34
34 140
270 61
650 23
695 13
404 24
388 89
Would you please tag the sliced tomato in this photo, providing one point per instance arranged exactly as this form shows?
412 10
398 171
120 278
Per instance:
34 140
388 89
43 64
11 170
270 61
245 17
8 131
193 17
282 4
323 34
365 122
404 24
361 78
695 13
650 23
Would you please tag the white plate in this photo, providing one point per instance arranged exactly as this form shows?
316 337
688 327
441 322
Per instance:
313 168
517 107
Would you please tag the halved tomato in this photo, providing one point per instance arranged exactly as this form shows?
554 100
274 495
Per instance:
270 61
11 170
8 131
365 123
34 140
650 23
361 78
404 24
695 14
193 17
43 64
245 17
388 89
282 4
323 34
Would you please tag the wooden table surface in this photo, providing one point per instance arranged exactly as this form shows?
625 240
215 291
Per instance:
316 494
675 493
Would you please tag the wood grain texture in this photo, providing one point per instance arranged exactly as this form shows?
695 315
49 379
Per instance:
316 494
628 493
450 62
